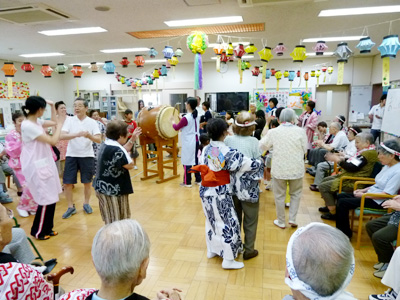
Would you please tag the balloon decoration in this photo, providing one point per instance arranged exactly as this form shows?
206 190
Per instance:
265 56
124 62
61 68
9 70
94 67
197 42
77 71
109 67
168 52
292 76
152 53
320 47
388 49
250 49
178 52
306 79
278 76
239 52
299 53
279 49
139 61
343 53
365 45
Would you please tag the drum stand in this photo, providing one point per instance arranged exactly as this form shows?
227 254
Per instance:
161 163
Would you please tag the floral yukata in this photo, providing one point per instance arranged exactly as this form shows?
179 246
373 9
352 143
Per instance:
222 225
13 149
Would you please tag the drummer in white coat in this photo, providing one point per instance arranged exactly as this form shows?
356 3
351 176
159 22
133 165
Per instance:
189 125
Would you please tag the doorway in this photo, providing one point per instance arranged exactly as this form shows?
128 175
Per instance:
332 100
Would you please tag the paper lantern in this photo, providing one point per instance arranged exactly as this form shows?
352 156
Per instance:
149 80
286 74
298 73
255 71
265 56
218 49
168 52
61 68
229 50
320 47
323 69
299 53
330 70
139 61
94 67
122 79
167 64
317 74
144 80
153 52
239 51
118 77
278 76
312 73
128 82
109 67
273 72
306 79
164 70
365 45
124 62
77 71
46 70
250 49
243 65
343 53
9 69
224 57
279 49
138 83
248 65
173 61
27 67
292 76
388 49
178 52
197 42
133 84
268 74
156 74
159 71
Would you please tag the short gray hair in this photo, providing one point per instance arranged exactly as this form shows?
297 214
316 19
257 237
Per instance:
118 251
336 125
322 257
366 137
288 115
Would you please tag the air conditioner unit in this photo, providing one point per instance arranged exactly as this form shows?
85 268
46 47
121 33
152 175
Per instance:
252 3
32 14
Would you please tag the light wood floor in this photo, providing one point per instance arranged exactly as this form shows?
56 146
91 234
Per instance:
174 219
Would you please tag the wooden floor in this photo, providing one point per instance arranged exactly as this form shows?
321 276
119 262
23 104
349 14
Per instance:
173 218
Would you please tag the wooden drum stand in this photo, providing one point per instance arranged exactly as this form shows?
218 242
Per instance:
161 164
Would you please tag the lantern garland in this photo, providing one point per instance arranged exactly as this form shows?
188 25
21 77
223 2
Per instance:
343 53
197 42
388 49
9 70
265 56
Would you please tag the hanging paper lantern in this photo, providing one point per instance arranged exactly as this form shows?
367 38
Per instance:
133 83
122 79
27 67
167 64
273 72
109 67
152 76
178 52
265 56
317 74
323 69
229 50
365 45
312 73
299 53
164 70
292 76
149 80
138 83
173 61
118 77
255 71
298 73
128 82
77 71
250 49
144 80
9 70
279 49
168 52
218 49
139 61
343 53
224 57
197 42
306 79
243 65
248 65
61 68
320 47
268 74
388 49
124 62
46 70
153 52
156 74
94 67
239 51
278 76
286 74
330 71
159 71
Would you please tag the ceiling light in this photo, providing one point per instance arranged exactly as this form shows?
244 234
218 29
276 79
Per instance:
334 39
314 54
125 50
86 64
154 61
72 31
42 54
204 21
243 57
212 45
359 11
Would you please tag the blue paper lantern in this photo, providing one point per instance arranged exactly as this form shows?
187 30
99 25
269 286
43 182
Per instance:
168 52
109 67
365 45
292 75
164 70
153 52
128 82
149 80
268 74
389 47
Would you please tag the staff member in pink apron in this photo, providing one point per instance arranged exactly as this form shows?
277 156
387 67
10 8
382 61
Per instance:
38 165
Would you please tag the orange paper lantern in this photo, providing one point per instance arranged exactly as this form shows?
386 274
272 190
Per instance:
9 69
77 71
46 70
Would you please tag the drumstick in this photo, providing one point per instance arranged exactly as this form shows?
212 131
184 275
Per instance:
176 107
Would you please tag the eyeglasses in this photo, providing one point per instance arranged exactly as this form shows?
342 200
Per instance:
10 213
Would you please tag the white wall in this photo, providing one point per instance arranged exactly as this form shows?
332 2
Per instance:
377 69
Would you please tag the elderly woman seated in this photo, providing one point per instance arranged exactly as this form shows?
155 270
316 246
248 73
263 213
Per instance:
387 182
309 274
120 254
360 165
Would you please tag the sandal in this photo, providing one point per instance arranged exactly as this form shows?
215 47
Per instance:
53 233
43 238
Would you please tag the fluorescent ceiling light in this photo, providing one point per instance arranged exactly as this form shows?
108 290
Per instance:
359 11
212 45
72 31
314 54
334 39
154 61
42 54
204 21
125 50
243 57
86 64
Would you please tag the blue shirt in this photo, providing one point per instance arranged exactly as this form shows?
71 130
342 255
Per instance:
387 181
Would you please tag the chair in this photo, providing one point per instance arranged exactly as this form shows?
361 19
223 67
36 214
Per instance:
376 169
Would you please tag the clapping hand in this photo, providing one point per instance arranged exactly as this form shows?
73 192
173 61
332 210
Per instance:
172 294
136 132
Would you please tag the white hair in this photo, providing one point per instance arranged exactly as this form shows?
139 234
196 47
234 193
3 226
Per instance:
336 125
118 251
365 137
288 115
322 257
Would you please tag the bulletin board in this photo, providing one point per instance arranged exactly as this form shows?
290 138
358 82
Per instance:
391 120
285 98
20 90
360 99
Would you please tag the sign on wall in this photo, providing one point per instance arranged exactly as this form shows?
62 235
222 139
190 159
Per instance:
20 90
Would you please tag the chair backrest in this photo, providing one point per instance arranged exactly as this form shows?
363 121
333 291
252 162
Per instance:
377 168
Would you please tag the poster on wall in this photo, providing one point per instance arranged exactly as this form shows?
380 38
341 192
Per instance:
20 90
294 99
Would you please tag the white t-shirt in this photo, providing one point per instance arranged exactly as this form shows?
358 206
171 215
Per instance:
351 149
29 132
200 111
340 141
379 111
80 146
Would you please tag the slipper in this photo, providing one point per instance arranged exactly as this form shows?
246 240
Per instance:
53 233
43 238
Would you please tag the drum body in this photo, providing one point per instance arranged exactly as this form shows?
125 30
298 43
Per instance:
155 121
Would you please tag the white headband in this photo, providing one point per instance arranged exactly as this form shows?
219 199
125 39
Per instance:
390 150
246 124
296 284
340 119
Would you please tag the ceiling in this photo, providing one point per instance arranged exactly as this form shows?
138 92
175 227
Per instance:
285 21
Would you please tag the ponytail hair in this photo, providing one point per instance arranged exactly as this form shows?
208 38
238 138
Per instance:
32 105
193 104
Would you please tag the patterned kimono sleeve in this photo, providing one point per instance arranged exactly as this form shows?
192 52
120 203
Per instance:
120 159
13 146
237 162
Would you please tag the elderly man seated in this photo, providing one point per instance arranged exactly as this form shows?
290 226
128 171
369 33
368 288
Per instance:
309 274
120 254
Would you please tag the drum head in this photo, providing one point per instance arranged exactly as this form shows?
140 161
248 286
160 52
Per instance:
163 123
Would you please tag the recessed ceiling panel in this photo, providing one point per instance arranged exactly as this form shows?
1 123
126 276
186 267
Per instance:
201 2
